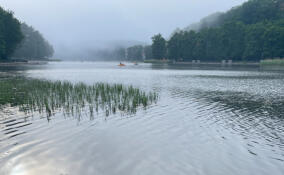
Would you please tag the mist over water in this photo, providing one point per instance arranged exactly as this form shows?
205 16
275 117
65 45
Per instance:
76 27
141 87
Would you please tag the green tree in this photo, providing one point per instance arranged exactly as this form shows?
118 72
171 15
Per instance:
273 45
135 53
10 33
148 52
159 47
34 45
175 46
250 32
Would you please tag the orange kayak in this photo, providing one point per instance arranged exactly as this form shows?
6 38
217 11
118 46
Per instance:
121 64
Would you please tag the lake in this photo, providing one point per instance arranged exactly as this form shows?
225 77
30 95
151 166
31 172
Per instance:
206 121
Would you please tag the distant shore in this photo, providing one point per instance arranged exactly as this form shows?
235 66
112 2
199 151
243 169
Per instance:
219 63
23 63
201 63
27 62
158 61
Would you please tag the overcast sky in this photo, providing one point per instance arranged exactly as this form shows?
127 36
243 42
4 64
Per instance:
82 22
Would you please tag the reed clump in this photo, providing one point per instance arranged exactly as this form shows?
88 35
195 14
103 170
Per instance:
43 96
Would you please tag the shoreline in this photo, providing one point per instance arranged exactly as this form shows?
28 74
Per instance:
23 63
203 63
217 63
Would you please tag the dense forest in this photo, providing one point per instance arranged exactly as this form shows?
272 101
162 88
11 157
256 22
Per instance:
18 40
33 46
10 34
250 32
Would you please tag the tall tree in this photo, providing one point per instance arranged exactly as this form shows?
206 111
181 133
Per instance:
158 47
10 33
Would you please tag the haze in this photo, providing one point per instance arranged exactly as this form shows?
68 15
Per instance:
86 24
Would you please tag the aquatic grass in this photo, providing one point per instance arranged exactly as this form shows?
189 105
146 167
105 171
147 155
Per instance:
48 97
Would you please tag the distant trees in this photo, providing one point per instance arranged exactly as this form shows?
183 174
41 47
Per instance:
108 54
212 20
20 40
148 52
235 41
139 53
250 32
255 11
10 34
34 46
159 47
251 12
135 53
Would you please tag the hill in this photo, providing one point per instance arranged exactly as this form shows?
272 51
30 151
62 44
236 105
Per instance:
18 40
250 32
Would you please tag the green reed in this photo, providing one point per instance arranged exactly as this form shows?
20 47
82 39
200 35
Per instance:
48 97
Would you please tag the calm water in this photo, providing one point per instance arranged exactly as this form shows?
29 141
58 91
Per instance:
208 121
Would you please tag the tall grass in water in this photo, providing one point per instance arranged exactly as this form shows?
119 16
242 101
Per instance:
33 95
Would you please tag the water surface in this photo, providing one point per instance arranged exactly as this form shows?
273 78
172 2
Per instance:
207 121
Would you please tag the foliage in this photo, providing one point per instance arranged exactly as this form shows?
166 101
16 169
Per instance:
135 53
10 34
148 52
159 47
255 11
34 46
250 32
212 20
250 12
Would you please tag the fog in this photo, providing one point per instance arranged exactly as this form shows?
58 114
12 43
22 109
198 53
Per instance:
74 26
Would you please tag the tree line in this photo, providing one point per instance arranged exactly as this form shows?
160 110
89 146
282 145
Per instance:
18 40
233 40
133 53
250 32
34 45
139 53
10 34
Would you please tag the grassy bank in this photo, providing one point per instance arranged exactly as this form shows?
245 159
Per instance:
158 61
200 63
219 63
272 62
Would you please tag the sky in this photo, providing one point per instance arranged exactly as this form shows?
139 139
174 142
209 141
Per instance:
93 23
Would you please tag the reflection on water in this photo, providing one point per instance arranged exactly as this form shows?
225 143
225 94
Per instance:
209 121
253 117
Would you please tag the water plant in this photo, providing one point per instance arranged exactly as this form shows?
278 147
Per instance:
49 97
